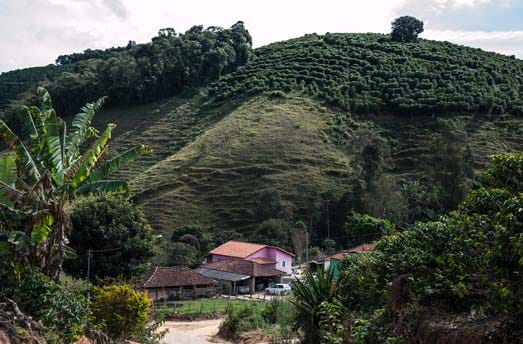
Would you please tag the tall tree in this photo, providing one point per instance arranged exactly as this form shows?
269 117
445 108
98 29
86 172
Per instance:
406 29
49 171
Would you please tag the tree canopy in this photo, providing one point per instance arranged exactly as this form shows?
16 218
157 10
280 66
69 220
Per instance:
118 233
406 29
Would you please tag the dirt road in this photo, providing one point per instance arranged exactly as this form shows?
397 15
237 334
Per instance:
192 332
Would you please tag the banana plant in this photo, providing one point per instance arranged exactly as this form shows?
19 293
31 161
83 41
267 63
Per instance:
44 171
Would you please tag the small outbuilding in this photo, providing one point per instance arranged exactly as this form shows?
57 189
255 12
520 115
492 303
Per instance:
178 282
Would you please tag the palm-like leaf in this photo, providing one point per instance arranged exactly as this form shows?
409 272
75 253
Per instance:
117 162
82 128
91 157
102 186
26 166
54 149
8 169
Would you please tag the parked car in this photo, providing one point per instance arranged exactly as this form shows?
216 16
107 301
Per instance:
278 289
260 286
243 289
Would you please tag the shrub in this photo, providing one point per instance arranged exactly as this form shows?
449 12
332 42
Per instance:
63 311
241 319
122 312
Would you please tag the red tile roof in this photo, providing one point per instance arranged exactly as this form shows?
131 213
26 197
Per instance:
263 261
241 249
243 267
174 277
357 249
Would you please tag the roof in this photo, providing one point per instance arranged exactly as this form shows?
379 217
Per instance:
174 277
263 261
241 249
357 249
244 267
221 275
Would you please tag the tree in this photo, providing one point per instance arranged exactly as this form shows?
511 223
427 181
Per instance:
274 232
43 173
364 228
113 224
182 254
406 29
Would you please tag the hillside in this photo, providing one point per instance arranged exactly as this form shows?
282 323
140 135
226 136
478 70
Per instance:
321 125
370 72
217 179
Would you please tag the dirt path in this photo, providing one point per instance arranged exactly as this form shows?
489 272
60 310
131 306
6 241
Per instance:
192 332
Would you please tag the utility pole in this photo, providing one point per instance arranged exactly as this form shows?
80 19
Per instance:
328 220
89 255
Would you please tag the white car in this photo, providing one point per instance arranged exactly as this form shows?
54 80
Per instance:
278 289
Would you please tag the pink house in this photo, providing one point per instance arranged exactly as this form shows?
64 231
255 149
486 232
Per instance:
269 256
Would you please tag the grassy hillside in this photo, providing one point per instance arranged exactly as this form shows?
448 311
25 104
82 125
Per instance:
211 165
218 178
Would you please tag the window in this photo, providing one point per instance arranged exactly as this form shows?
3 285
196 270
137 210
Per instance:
283 264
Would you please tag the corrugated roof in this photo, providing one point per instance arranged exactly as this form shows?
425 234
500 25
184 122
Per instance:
221 275
174 277
244 267
357 249
241 249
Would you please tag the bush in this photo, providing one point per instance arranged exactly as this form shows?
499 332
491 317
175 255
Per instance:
239 320
122 312
63 311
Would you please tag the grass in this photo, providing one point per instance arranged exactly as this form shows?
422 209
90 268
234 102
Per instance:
211 163
205 306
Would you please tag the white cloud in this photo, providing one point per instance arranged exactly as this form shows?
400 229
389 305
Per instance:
505 42
35 32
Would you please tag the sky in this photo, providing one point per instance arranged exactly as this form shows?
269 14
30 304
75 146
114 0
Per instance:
35 32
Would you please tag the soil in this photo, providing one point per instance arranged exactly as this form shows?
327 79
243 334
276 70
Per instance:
193 332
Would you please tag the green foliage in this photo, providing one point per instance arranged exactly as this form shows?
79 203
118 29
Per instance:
330 321
273 232
241 319
114 224
406 29
368 73
506 172
363 228
183 254
310 294
62 309
468 259
122 311
143 73
50 173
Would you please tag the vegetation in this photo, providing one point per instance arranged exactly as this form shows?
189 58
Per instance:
40 180
406 29
468 260
116 231
43 171
370 73
122 312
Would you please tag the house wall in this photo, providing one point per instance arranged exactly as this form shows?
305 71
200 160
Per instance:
283 260
218 257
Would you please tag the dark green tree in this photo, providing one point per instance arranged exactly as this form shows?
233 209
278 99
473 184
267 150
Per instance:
274 232
113 224
406 29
